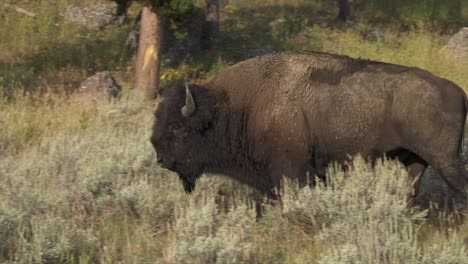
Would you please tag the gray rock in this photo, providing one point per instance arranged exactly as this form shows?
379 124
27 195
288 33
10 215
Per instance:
433 187
102 84
94 17
457 47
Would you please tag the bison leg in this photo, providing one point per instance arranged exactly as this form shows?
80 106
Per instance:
454 174
298 171
415 167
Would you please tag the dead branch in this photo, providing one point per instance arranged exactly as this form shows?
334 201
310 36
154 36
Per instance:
21 10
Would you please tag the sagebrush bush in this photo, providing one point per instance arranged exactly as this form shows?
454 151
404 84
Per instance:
10 222
96 194
363 216
202 234
153 203
76 174
78 177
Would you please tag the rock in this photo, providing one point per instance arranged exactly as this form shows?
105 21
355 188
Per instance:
94 17
102 84
457 47
433 186
260 51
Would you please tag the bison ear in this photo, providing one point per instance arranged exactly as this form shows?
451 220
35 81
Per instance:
189 107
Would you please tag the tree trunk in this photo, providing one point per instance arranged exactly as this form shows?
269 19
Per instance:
211 22
123 6
344 13
148 56
347 10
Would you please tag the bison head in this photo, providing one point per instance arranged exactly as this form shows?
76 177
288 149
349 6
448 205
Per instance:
181 132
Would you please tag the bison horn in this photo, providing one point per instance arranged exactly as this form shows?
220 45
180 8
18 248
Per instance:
189 107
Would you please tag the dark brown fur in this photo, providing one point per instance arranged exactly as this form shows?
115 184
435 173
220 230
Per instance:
289 114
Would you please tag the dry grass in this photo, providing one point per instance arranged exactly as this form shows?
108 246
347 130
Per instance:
79 182
93 193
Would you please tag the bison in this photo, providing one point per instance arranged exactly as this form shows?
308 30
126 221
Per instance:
292 113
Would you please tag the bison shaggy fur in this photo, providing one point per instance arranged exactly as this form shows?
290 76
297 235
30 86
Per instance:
292 113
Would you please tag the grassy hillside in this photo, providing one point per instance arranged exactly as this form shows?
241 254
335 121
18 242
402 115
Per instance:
89 191
79 182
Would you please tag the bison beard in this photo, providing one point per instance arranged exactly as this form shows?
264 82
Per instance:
291 114
188 182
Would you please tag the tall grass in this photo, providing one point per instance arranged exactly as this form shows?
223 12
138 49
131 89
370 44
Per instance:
46 52
79 182
87 194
